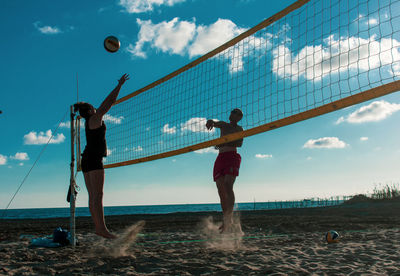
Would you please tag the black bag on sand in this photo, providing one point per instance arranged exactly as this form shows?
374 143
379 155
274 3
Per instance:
61 236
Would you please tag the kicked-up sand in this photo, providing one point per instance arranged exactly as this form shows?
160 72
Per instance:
276 242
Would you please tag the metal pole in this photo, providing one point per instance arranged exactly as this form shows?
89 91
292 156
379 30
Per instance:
72 179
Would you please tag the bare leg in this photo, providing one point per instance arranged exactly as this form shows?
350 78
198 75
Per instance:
89 188
227 199
94 181
230 195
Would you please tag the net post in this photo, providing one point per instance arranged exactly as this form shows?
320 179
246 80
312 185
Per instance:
72 179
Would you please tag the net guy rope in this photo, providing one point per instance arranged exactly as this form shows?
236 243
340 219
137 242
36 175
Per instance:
33 165
313 57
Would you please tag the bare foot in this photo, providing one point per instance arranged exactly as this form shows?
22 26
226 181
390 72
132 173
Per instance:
225 228
106 235
236 229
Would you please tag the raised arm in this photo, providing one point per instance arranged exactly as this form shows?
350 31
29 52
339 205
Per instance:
112 97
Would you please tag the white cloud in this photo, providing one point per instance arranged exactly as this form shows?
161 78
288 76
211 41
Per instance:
107 118
20 164
34 138
113 120
139 6
168 36
22 156
372 22
363 138
167 129
263 156
195 125
46 29
212 36
110 151
138 148
313 62
206 150
3 159
134 149
338 55
103 9
67 124
374 112
366 20
326 143
239 54
185 38
340 120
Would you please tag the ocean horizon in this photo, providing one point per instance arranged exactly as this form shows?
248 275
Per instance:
41 213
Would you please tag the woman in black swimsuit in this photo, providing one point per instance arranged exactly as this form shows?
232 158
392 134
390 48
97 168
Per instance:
92 157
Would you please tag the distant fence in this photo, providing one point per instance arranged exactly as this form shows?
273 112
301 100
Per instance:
305 203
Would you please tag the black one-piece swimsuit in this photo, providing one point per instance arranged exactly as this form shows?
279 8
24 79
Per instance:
96 148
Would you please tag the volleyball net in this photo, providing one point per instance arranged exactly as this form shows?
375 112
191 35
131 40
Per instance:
311 58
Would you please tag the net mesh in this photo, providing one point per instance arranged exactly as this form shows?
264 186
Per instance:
320 52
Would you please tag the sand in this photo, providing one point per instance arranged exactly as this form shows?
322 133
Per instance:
276 242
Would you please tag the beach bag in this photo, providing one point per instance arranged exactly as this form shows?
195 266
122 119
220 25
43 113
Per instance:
61 236
44 242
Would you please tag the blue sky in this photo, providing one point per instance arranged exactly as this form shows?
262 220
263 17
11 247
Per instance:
341 153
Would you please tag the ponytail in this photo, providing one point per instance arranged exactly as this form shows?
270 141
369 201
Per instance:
83 109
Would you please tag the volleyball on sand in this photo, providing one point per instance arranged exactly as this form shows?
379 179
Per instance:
111 44
332 236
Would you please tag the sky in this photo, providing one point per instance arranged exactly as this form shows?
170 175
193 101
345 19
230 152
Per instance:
55 47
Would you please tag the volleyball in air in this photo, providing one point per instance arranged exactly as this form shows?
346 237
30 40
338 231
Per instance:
111 44
332 236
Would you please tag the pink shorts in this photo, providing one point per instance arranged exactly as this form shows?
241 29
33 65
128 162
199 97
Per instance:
227 163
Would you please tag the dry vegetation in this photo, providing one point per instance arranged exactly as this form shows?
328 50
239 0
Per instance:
380 193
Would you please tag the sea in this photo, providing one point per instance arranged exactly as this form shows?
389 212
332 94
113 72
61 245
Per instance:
40 213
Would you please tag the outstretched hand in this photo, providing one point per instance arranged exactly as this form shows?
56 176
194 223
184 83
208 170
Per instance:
210 124
124 78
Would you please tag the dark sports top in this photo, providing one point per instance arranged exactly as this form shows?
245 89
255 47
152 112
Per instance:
96 145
